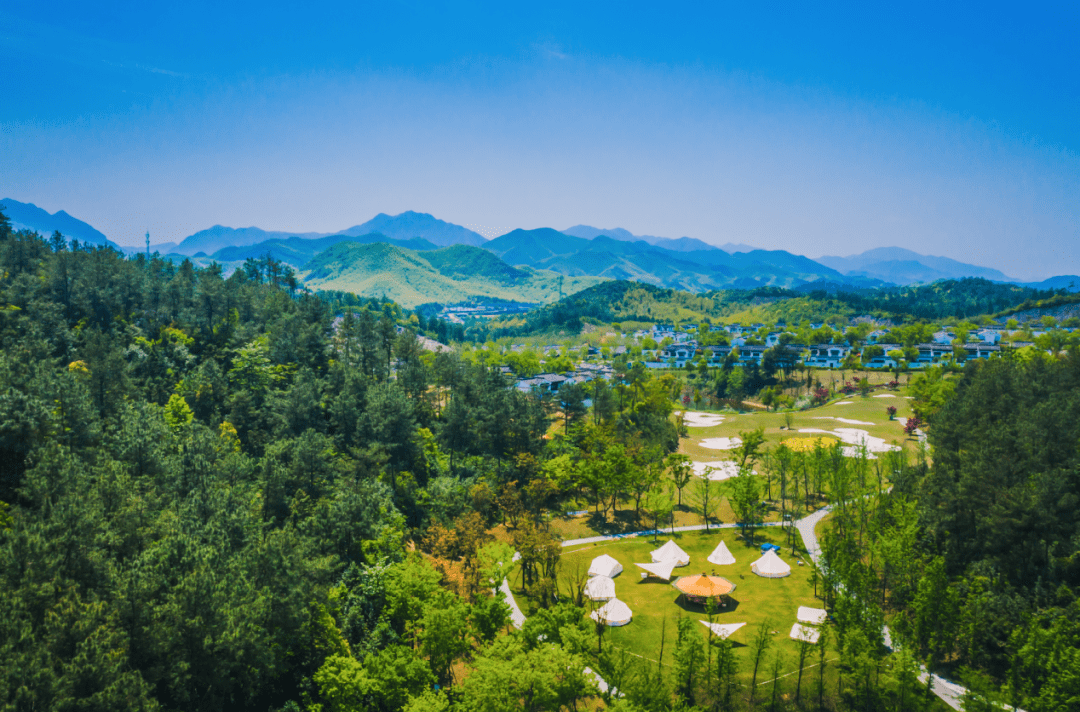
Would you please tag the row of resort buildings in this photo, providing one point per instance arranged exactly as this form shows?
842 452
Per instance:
684 348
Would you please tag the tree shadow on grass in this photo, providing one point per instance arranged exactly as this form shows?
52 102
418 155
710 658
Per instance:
732 604
620 522
653 580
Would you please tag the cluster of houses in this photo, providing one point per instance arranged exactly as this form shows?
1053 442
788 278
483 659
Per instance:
551 382
682 346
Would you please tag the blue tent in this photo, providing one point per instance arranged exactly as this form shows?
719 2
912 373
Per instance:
766 547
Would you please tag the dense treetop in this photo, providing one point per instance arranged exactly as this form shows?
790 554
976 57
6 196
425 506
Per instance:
224 492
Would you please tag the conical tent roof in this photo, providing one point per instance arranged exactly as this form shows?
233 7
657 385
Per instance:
605 565
704 586
770 566
721 556
614 612
813 616
662 570
722 630
600 588
671 551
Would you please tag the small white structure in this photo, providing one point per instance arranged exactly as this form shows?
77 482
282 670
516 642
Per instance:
670 552
600 588
613 613
605 565
661 570
721 556
601 683
805 633
722 630
770 566
813 616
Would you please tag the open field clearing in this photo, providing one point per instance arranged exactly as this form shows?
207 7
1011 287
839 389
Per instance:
867 414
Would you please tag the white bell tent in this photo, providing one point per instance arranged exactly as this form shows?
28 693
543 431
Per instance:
671 552
600 588
721 556
605 565
770 566
613 613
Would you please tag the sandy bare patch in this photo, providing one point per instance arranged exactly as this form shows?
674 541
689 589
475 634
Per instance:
849 421
721 443
719 470
884 395
843 402
695 419
857 440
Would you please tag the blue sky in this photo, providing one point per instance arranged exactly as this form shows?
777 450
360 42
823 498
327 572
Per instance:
949 131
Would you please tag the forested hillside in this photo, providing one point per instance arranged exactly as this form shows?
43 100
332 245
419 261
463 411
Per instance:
199 479
447 275
209 494
228 494
634 301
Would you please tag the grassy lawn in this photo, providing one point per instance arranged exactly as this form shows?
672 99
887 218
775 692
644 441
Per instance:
864 409
755 599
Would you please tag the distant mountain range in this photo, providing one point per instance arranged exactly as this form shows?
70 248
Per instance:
27 216
681 244
694 270
405 226
581 252
447 275
297 251
900 266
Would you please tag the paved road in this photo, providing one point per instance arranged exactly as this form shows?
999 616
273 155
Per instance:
658 532
516 616
949 692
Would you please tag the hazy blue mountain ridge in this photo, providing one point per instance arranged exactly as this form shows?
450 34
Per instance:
411 224
219 237
902 266
406 226
580 251
614 256
680 244
1070 282
27 216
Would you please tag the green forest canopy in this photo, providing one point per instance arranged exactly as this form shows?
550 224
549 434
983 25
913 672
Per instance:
210 493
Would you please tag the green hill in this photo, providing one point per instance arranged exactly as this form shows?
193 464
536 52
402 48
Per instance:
465 262
693 271
298 251
448 275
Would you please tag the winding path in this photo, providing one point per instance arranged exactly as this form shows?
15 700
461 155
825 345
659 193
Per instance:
949 692
658 532
516 616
